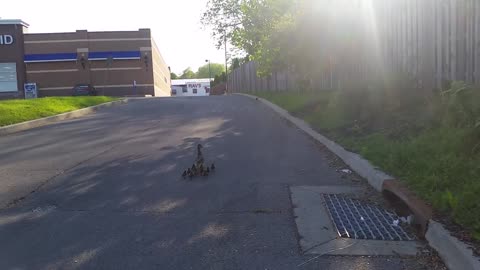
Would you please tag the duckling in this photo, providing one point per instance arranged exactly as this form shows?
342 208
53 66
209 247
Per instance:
189 173
207 170
184 174
200 168
194 168
199 159
212 167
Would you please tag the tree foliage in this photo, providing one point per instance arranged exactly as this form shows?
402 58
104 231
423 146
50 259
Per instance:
221 78
203 72
302 35
173 76
260 28
188 74
215 69
224 17
238 61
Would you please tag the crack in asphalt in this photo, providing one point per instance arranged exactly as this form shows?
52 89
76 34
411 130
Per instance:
58 208
18 200
254 211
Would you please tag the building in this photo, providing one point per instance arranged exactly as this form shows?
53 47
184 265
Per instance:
118 63
191 87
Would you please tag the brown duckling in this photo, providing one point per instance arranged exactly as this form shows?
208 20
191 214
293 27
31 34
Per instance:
199 159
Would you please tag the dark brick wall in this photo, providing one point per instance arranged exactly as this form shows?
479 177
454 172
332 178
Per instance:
57 78
13 54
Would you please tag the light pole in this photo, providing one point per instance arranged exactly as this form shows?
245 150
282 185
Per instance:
209 73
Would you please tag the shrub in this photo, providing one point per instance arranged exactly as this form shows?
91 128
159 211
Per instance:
429 139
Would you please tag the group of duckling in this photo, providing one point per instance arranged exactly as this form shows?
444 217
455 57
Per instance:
198 168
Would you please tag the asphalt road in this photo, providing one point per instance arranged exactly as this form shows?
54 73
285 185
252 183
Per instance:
108 192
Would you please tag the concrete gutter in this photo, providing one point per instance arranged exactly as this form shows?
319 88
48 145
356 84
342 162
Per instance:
456 254
360 165
56 118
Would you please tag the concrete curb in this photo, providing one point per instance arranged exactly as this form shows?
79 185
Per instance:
56 118
422 212
455 253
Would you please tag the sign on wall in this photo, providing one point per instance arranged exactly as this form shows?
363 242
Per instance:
201 88
31 90
6 39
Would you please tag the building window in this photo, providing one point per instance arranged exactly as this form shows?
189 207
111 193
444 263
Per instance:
184 90
8 77
194 91
174 92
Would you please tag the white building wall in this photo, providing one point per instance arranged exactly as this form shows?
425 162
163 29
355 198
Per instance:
191 88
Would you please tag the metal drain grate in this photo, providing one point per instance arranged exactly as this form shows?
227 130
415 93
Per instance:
355 219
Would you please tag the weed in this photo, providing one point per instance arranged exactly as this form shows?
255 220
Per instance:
430 140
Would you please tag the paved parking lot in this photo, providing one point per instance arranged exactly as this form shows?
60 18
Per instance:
108 192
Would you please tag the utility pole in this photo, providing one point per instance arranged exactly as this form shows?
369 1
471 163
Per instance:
226 65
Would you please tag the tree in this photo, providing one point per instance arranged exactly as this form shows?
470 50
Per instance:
187 74
215 69
221 78
235 63
261 28
224 17
173 76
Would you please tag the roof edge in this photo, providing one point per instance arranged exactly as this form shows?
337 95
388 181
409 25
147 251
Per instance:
14 21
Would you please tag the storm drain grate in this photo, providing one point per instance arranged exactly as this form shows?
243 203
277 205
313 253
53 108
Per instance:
355 219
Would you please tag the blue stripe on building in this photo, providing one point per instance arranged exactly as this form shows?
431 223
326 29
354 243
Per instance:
114 55
50 57
58 57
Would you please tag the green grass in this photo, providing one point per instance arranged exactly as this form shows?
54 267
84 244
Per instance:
21 110
434 165
291 101
311 106
437 161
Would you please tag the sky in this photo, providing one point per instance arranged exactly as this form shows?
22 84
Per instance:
175 24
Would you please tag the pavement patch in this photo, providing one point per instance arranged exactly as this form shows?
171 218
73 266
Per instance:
319 235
